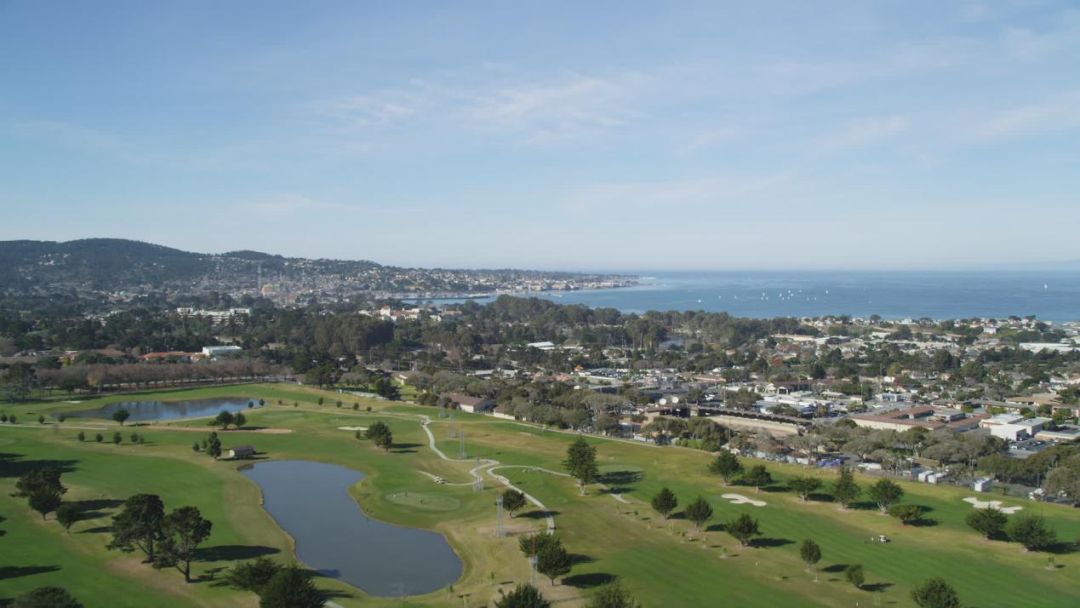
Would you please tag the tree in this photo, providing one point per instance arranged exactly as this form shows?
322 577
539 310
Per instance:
513 501
988 522
139 524
223 420
612 595
46 597
117 438
553 561
804 486
845 490
385 440
99 438
885 493
665 502
1032 532
183 530
195 446
385 388
699 511
531 545
239 420
758 476
523 596
46 478
854 575
45 501
1065 479
121 415
810 552
290 587
581 462
253 575
376 430
67 514
906 513
20 379
743 528
213 446
81 436
726 465
935 593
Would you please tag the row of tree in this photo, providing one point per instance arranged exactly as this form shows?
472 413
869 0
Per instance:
276 585
611 595
1031 531
168 540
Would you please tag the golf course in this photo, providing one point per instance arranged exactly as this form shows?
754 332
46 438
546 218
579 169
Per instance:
422 482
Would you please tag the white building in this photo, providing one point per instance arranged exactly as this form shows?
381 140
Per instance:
217 351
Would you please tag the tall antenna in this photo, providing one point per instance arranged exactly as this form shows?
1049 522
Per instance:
499 532
532 563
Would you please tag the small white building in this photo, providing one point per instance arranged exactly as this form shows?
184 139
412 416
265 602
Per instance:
241 451
982 485
217 351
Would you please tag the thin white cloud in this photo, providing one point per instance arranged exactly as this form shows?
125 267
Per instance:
649 196
564 107
1031 44
862 132
1057 114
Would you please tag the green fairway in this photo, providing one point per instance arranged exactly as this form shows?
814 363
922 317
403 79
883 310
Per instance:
664 562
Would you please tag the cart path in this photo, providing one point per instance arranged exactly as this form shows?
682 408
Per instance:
486 465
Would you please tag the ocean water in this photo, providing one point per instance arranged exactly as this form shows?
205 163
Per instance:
1050 295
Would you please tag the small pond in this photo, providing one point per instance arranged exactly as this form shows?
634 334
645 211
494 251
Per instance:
142 411
310 501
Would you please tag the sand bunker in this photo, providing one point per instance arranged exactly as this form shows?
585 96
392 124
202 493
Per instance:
352 428
991 504
739 499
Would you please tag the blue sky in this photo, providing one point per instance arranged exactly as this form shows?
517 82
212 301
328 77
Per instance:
600 135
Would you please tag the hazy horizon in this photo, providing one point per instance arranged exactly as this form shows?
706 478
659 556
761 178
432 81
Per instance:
1051 266
773 136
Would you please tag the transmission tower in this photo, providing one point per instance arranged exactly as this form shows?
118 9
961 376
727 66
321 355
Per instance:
461 444
532 563
499 532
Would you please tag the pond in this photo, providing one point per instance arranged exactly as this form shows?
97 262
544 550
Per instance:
310 501
142 411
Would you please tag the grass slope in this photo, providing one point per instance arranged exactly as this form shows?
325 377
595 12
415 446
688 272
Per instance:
664 562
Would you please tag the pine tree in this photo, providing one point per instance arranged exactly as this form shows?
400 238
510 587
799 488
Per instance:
581 462
726 465
845 490
665 502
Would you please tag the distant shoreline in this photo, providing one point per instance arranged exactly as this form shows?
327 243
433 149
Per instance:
938 295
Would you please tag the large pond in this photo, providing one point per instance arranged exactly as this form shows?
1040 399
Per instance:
310 501
169 410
